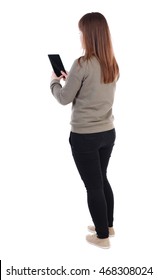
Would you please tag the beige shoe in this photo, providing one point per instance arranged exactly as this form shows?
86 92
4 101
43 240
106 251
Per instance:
94 240
111 230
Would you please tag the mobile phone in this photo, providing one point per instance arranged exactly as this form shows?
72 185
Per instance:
57 64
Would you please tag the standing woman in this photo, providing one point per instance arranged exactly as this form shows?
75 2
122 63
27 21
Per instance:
90 86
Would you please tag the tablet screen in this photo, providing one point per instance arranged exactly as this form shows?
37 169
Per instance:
56 63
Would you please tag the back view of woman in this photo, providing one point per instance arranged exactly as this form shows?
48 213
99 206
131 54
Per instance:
90 86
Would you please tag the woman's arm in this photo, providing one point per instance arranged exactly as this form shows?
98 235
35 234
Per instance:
67 93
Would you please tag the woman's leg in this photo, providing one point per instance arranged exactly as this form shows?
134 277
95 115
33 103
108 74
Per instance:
88 165
105 154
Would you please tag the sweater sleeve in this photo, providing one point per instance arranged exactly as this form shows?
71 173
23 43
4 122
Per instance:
67 93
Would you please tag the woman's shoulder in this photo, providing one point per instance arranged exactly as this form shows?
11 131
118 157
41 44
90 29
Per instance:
79 63
85 66
82 62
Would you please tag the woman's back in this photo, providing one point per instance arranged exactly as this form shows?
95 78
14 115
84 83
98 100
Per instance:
92 106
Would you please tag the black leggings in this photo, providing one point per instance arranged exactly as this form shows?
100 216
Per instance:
91 153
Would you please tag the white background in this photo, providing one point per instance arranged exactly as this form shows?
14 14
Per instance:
43 209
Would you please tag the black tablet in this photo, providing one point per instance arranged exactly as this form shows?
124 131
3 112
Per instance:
57 64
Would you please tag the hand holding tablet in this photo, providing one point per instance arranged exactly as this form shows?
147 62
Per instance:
57 65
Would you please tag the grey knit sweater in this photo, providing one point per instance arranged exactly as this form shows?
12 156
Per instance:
92 100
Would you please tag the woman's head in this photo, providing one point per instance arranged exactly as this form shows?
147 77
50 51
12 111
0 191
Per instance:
96 41
95 31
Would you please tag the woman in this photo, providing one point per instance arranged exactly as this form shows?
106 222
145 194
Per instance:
90 86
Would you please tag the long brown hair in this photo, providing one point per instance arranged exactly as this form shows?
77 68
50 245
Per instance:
97 42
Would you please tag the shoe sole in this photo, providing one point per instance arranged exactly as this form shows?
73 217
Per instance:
98 245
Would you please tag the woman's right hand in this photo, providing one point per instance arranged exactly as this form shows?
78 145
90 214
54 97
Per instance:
65 75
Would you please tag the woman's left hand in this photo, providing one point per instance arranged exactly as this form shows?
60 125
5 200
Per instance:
55 77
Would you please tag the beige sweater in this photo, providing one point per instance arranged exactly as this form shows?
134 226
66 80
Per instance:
92 100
